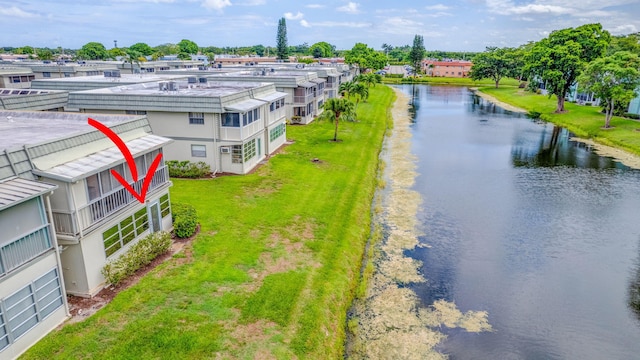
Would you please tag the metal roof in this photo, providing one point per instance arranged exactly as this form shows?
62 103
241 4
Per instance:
85 166
15 190
271 97
307 84
245 105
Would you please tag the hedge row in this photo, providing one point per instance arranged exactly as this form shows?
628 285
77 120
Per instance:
187 169
185 220
139 255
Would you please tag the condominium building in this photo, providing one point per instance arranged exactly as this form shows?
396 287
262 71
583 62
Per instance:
13 77
94 217
230 125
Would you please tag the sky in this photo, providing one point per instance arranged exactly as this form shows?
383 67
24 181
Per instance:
458 25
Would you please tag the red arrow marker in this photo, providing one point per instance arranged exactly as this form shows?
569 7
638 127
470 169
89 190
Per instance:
129 158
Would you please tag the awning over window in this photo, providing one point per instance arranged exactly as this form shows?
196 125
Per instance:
15 190
244 106
88 165
307 84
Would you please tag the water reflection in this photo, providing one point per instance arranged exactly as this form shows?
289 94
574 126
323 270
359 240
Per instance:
554 148
534 228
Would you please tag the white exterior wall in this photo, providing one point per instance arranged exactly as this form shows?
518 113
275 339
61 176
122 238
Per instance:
83 262
18 280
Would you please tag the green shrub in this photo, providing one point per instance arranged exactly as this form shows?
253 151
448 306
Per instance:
534 114
632 116
138 255
398 76
185 220
187 169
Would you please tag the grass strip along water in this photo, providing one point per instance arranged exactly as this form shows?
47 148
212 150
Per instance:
584 121
274 268
438 80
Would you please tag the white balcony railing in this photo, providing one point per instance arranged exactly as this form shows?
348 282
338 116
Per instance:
303 99
71 223
23 249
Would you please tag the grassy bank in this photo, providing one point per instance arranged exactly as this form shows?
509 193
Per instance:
447 81
274 268
585 121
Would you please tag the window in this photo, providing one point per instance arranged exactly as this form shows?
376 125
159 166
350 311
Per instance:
46 74
104 183
198 150
276 132
67 74
21 311
135 112
249 149
231 119
124 232
4 334
236 154
165 205
30 305
196 118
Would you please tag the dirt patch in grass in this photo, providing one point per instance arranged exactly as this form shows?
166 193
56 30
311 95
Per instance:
81 308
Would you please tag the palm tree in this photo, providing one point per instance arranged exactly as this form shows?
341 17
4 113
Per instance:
370 79
361 92
346 88
336 110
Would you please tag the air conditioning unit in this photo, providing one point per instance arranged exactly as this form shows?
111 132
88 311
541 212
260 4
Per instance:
173 86
163 86
192 80
225 150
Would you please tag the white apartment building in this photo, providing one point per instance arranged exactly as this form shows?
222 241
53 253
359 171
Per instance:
230 125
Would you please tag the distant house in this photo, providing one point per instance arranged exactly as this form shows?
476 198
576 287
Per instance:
446 68
13 77
228 60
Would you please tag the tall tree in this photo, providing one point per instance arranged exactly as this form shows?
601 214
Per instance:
417 52
282 51
186 48
93 51
613 79
337 110
142 48
560 58
495 63
365 57
321 49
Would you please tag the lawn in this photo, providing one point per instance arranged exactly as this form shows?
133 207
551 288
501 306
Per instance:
272 272
584 121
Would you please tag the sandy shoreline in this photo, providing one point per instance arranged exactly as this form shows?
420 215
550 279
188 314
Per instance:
503 105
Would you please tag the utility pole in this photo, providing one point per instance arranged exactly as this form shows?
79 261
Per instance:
115 44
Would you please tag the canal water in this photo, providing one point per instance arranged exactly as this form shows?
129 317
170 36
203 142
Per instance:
522 222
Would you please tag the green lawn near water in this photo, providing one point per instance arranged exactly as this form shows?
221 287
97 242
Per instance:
584 121
274 268
438 80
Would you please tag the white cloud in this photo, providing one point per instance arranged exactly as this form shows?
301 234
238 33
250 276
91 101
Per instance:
342 24
216 4
351 8
305 23
624 29
439 14
315 6
252 3
14 11
291 16
437 7
508 8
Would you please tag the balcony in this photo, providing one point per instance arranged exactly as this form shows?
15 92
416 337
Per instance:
71 223
303 99
23 249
